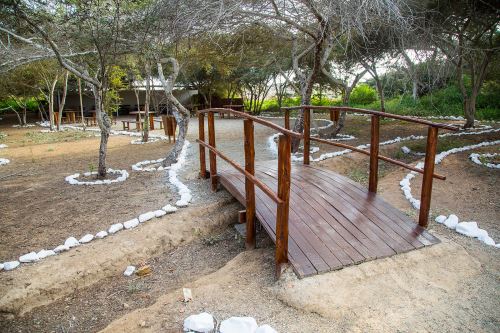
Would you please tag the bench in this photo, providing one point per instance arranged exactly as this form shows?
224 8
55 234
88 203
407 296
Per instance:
126 125
160 121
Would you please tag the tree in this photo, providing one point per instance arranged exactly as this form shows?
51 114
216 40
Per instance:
467 32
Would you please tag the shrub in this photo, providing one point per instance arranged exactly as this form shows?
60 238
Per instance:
363 94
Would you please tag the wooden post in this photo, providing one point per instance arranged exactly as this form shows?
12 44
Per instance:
287 119
201 136
249 185
374 151
307 135
336 116
284 173
211 154
430 156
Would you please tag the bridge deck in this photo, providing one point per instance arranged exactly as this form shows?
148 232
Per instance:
334 222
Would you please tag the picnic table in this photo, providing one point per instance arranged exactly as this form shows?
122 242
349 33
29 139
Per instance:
71 116
142 113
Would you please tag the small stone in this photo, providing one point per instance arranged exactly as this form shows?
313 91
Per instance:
146 216
61 248
129 270
87 238
451 222
71 242
131 224
203 322
440 219
126 306
45 253
142 324
101 234
10 265
115 228
29 257
238 325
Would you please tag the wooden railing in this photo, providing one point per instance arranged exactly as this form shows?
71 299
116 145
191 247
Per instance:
430 153
281 198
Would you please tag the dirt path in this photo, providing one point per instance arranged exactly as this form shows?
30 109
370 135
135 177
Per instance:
453 285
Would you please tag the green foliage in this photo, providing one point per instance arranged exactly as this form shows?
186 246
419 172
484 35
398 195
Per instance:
363 94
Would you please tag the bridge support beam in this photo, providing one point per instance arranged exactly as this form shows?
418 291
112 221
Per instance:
430 156
284 181
249 185
212 157
374 151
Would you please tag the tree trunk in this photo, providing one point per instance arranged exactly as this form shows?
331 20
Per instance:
62 101
105 126
415 90
51 103
181 114
469 111
81 102
24 117
145 135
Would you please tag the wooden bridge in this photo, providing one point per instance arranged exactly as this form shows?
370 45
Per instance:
319 220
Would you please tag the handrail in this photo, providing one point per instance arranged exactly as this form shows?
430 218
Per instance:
380 157
255 119
282 195
376 113
238 167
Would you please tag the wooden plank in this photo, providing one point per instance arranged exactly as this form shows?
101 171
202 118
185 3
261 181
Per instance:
308 243
307 135
374 150
357 192
384 244
353 237
284 171
201 136
212 157
425 197
301 264
249 185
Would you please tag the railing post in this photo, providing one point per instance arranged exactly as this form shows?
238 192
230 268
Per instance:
374 151
249 185
334 115
307 135
211 154
287 119
430 156
284 175
201 136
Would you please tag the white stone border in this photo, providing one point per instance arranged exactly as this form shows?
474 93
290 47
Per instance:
4 161
140 142
3 146
467 228
71 242
72 179
476 159
139 166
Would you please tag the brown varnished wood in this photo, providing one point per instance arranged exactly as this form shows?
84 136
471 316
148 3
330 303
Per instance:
201 136
332 222
425 197
374 153
284 172
307 134
249 185
212 157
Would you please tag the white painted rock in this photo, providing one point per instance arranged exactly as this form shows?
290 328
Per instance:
115 228
488 241
159 213
405 150
71 242
203 322
468 229
182 203
29 257
451 222
87 238
169 209
265 329
131 224
238 325
10 265
101 234
45 253
440 219
61 248
146 216
129 271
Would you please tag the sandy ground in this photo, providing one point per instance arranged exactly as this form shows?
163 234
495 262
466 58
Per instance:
452 286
